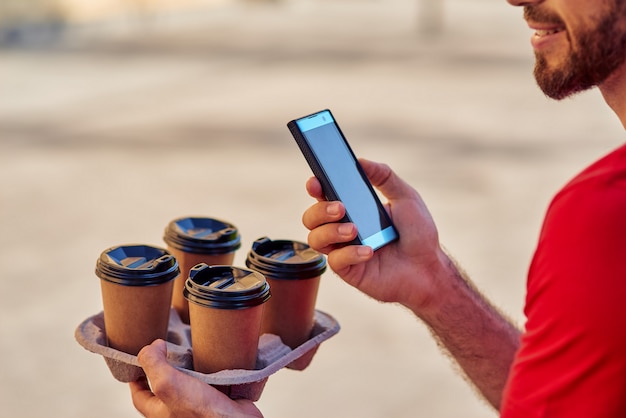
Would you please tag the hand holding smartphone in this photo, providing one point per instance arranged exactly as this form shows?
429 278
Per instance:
332 161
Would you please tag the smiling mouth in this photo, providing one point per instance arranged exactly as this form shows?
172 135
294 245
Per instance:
545 32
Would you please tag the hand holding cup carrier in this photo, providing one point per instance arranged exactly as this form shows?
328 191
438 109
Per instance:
227 308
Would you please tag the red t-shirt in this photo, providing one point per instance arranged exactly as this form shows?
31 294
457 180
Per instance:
572 358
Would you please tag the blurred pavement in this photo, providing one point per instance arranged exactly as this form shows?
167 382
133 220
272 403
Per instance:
108 134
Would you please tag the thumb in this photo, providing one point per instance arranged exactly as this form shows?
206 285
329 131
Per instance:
385 179
163 377
152 357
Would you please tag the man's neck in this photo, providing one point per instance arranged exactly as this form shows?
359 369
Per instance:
614 92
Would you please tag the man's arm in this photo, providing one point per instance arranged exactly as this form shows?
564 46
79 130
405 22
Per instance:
479 338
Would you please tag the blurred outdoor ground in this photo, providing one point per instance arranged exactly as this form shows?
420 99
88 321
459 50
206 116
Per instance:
117 117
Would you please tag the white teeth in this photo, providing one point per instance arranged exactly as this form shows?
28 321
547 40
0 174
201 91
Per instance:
542 32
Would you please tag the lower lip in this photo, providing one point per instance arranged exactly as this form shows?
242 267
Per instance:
542 42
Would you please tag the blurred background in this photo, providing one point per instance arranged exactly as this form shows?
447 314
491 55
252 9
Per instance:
117 116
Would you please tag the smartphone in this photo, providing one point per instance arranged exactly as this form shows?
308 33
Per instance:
334 164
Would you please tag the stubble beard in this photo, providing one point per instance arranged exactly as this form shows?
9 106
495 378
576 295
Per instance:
595 55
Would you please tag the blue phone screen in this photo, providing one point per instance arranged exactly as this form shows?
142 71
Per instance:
339 165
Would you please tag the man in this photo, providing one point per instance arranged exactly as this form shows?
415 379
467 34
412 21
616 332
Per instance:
571 358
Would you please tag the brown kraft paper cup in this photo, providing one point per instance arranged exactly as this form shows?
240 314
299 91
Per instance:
196 240
186 262
226 308
136 283
290 312
293 271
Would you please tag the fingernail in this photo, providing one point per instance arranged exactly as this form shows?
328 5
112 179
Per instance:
345 229
333 209
364 251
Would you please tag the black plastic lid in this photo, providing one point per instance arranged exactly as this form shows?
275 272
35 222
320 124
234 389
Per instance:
136 265
225 287
284 259
202 236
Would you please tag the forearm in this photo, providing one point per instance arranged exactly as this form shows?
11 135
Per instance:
480 339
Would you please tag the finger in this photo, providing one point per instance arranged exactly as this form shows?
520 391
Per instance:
385 179
153 359
152 356
327 237
314 188
342 260
142 397
322 213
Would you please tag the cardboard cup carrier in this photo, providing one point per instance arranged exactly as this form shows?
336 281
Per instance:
226 307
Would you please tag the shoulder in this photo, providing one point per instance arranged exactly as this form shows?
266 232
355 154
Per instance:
581 251
592 204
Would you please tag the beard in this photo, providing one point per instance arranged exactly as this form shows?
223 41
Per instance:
597 52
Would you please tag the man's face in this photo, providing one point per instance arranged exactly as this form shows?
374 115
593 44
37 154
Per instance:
577 43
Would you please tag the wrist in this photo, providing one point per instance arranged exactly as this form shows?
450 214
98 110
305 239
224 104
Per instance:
431 285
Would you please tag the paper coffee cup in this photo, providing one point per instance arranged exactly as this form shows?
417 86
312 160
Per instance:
293 271
225 312
195 240
136 283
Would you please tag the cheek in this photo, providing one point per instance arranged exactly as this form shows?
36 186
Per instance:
578 36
